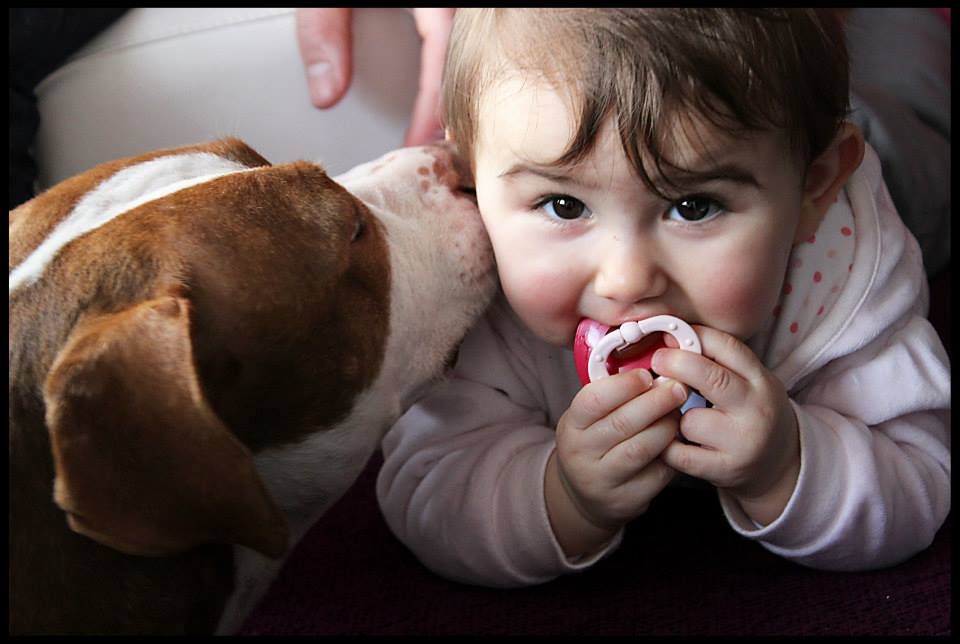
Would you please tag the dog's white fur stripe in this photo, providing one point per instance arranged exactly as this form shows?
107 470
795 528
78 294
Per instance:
127 189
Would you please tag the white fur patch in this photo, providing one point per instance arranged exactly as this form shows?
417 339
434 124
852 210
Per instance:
122 192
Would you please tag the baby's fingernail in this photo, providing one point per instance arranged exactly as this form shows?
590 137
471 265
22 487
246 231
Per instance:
644 376
679 391
656 360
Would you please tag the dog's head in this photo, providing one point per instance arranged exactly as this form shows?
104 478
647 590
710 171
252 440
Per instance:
172 315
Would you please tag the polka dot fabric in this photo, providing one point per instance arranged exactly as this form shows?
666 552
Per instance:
816 273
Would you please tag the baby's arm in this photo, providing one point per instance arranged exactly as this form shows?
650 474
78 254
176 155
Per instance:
467 499
462 483
874 482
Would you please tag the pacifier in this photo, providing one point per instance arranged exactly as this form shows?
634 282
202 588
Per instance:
599 352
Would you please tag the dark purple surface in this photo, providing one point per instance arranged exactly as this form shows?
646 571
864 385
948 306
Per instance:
680 571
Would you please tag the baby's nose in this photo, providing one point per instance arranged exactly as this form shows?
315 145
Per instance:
629 275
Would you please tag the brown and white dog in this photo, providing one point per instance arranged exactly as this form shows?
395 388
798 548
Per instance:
205 349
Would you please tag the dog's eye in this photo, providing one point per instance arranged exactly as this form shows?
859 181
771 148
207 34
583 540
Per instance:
360 227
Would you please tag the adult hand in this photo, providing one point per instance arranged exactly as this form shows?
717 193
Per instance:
325 38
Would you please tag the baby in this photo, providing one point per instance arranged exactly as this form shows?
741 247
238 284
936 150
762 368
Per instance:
696 163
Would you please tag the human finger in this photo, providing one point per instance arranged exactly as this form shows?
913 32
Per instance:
709 428
631 456
639 413
646 485
599 398
693 460
717 373
433 25
729 351
325 40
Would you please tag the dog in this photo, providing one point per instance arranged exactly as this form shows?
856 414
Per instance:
205 350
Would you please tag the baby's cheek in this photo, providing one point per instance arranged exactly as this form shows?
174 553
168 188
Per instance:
545 301
543 294
738 301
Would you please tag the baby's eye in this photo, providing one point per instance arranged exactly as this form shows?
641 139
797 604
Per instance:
564 207
695 208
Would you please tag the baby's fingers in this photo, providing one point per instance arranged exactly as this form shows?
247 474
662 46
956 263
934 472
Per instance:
638 454
693 460
597 399
638 414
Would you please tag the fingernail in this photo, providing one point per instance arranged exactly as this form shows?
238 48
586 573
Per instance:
323 82
645 377
679 391
656 360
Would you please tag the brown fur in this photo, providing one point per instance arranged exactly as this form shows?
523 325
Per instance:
155 354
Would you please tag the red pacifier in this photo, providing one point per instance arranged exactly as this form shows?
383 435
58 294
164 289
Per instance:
599 352
594 345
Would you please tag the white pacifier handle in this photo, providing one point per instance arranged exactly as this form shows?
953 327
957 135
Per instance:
631 332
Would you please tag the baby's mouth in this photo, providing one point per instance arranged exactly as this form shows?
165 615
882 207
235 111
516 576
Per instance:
638 354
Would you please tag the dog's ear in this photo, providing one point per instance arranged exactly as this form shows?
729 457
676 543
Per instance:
143 464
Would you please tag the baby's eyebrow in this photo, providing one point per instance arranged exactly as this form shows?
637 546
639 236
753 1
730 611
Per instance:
729 172
673 176
552 173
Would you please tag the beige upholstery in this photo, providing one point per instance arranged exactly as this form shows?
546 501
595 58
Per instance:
162 77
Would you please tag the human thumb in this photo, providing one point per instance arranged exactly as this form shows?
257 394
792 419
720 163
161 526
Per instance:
325 39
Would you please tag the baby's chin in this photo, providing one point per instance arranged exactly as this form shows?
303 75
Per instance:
547 328
564 340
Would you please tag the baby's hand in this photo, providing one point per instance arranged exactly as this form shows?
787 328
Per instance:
608 444
748 442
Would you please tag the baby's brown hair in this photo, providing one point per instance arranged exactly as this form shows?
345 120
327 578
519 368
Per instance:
740 70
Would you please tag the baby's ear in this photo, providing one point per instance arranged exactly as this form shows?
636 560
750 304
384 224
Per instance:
826 177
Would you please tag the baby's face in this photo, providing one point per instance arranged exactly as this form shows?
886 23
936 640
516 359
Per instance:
592 241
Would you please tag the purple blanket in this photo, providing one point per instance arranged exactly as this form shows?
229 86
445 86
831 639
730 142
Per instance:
680 571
